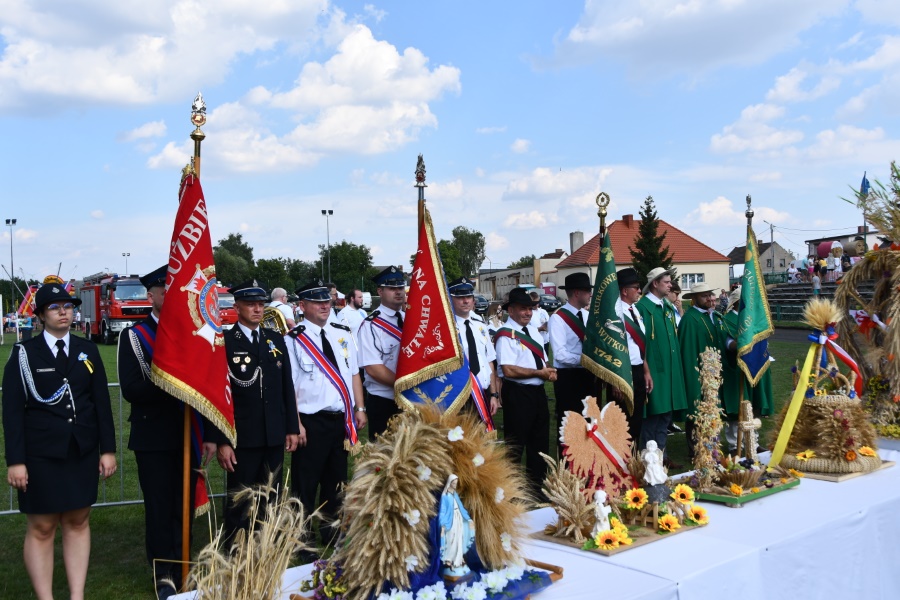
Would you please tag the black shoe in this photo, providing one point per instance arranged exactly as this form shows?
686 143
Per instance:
164 591
673 429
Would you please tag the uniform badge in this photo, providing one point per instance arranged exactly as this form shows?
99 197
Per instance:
273 350
247 360
243 368
236 359
203 304
278 364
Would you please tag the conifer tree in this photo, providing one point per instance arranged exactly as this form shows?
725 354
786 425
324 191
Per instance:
648 251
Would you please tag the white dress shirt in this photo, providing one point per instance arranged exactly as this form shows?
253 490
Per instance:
513 352
634 353
313 390
378 348
483 345
566 345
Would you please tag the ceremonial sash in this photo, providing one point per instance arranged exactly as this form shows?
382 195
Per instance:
481 405
536 348
334 377
147 338
388 328
573 322
828 341
614 457
634 330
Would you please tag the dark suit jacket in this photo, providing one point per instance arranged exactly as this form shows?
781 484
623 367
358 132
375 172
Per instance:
33 428
157 418
260 418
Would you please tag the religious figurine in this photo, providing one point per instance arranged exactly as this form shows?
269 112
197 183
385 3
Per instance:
654 473
457 530
601 513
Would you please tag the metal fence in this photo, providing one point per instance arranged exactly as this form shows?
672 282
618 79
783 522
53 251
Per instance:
114 491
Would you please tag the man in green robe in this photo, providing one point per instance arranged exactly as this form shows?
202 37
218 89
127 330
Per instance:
666 400
700 328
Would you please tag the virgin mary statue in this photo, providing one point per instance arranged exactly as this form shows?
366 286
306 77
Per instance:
457 530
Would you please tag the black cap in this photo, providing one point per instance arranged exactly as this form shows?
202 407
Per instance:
154 278
628 276
462 287
249 291
577 281
50 293
519 296
390 277
314 291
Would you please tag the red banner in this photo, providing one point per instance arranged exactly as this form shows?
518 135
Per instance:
189 360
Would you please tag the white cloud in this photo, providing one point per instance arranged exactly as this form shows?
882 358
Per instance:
489 130
845 141
766 177
787 87
662 36
445 191
495 241
172 156
752 133
97 214
520 146
530 220
374 12
543 183
721 212
147 130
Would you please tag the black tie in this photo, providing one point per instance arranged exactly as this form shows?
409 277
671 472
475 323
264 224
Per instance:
580 317
474 363
637 325
61 357
399 321
538 363
256 342
326 348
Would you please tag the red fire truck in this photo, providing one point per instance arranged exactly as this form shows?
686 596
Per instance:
111 303
227 312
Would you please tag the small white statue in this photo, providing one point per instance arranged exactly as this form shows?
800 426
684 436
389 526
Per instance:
601 513
652 456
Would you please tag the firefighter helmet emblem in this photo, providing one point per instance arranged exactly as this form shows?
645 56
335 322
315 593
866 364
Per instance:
203 304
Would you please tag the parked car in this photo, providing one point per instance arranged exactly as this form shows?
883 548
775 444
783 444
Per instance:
549 303
481 305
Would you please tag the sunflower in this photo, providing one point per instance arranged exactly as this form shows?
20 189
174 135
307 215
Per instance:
796 473
624 540
806 455
698 515
607 540
866 451
668 523
736 489
635 499
850 455
683 494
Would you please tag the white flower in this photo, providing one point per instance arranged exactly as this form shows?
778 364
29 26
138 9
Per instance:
499 495
477 591
413 517
495 581
423 472
432 592
506 541
514 572
455 434
412 561
478 460
401 595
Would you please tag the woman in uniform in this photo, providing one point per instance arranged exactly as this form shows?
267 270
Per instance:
60 439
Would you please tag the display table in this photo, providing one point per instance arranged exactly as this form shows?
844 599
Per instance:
819 540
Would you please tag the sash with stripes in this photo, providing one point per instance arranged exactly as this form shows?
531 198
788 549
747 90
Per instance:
614 457
388 328
572 321
484 411
634 330
147 338
536 348
334 377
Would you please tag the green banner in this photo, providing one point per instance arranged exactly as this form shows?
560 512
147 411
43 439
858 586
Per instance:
605 349
754 319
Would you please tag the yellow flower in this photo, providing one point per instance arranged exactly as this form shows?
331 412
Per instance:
624 539
736 489
806 455
635 499
683 494
669 523
754 490
850 455
783 480
607 540
698 515
796 473
866 451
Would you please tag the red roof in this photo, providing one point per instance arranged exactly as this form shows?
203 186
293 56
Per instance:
682 247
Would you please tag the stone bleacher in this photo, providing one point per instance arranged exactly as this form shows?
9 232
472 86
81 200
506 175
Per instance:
786 300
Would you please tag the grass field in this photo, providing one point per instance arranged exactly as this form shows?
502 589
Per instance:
118 566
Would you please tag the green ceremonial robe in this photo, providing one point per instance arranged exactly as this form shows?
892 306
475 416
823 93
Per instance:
696 333
761 395
663 359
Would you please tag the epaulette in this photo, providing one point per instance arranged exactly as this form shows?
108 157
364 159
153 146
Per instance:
340 326
372 316
297 331
476 317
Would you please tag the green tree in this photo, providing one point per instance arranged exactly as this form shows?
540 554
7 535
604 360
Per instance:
231 269
450 260
351 265
648 251
523 263
470 245
271 273
234 243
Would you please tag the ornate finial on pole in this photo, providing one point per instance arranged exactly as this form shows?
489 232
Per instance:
602 202
749 212
198 118
420 177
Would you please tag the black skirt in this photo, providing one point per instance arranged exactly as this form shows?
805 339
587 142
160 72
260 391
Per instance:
60 485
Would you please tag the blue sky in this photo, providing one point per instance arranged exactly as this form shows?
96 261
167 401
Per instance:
524 111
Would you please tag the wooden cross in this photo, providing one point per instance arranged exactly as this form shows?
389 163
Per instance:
747 435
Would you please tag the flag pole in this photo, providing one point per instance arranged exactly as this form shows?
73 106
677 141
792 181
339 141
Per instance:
420 184
743 377
198 118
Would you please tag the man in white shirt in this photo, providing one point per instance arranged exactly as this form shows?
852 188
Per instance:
279 301
629 293
353 314
476 341
330 404
540 319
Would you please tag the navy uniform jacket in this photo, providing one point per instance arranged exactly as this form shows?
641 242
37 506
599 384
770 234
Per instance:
260 419
33 428
157 418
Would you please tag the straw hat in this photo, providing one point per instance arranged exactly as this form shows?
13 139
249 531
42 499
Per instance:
654 275
733 298
698 289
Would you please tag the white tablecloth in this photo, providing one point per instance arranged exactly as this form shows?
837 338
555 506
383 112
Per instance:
819 540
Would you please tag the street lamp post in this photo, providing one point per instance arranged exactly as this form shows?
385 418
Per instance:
126 255
12 268
327 214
